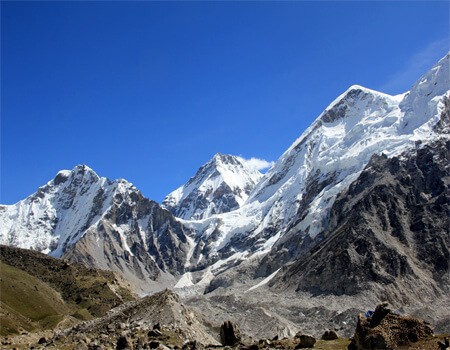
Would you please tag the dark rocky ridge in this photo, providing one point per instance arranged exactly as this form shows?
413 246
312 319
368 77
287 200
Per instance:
391 229
156 240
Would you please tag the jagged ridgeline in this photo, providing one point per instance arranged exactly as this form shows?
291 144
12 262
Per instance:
354 212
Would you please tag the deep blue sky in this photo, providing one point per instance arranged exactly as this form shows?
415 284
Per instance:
149 91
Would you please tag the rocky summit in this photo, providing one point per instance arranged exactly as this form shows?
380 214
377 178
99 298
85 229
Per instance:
355 212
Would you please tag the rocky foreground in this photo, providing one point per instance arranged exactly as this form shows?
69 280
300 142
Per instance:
161 321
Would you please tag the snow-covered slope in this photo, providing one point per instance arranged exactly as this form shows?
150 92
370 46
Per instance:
333 151
294 198
59 212
221 185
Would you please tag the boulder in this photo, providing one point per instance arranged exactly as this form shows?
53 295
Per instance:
386 330
154 344
123 343
305 341
229 334
330 335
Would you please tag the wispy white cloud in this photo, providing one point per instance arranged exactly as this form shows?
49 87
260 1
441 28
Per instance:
258 164
419 64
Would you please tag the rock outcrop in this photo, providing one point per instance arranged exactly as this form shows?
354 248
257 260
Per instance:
385 330
389 231
229 334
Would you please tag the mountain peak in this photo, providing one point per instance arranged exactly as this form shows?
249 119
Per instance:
356 96
219 186
217 156
80 171
358 88
81 168
224 163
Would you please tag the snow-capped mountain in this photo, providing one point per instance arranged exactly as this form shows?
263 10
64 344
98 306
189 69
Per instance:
290 206
228 214
221 185
107 224
59 212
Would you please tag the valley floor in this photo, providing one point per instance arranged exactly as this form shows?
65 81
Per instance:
30 341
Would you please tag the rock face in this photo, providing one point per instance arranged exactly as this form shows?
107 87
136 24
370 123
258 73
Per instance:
389 231
385 330
220 186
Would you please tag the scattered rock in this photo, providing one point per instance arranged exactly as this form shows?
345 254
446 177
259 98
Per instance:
306 341
264 342
330 335
192 345
42 340
386 330
229 333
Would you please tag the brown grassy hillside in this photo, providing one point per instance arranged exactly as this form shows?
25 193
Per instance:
38 291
